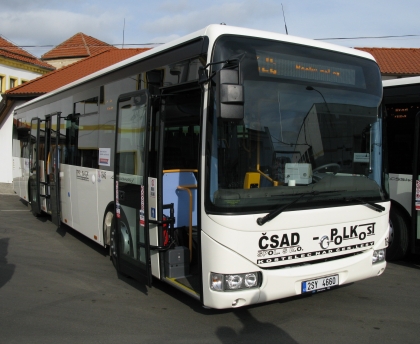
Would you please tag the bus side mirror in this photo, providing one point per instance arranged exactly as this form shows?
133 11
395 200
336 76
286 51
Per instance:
231 95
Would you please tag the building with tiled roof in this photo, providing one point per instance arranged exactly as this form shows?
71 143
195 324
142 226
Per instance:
44 84
74 49
17 66
396 62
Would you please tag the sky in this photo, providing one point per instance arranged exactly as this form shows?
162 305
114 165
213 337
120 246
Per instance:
39 25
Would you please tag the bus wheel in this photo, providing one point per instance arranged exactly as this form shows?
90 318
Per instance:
32 207
398 236
120 241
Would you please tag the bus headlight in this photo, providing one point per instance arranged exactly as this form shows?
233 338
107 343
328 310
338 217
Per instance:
234 281
251 280
220 282
378 256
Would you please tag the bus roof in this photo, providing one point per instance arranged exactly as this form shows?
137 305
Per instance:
212 32
401 81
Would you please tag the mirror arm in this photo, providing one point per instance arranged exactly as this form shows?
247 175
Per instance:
203 76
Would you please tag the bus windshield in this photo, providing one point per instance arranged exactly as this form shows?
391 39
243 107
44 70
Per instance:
311 123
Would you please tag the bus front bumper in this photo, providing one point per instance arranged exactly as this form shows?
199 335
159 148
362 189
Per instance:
282 282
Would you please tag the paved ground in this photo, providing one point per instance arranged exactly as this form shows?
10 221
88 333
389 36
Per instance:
58 287
6 188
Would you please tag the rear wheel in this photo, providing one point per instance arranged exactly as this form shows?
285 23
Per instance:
32 207
398 236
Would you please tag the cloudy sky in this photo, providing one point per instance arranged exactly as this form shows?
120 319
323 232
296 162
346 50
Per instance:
38 25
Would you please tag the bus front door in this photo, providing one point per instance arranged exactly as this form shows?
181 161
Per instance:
130 245
34 167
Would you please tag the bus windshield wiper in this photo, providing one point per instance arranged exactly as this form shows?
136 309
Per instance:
375 206
278 211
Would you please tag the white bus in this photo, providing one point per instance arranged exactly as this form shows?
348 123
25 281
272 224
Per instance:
236 165
402 103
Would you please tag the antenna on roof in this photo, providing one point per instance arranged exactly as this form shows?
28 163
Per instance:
123 33
284 18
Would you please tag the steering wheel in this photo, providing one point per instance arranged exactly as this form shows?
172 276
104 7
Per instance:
334 165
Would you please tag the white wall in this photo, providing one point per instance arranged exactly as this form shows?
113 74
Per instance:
6 131
19 74
6 128
6 147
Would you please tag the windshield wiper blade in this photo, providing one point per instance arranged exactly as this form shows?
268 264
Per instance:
278 211
375 206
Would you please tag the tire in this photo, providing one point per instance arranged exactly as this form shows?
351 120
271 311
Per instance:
34 213
398 236
32 208
116 238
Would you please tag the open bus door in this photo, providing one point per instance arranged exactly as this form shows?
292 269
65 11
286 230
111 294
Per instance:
414 238
34 167
44 166
52 167
130 242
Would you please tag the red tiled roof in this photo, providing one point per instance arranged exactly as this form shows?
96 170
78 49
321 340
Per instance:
73 72
396 60
13 52
80 45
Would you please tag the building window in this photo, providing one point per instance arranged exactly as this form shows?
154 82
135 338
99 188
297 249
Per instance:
1 83
12 82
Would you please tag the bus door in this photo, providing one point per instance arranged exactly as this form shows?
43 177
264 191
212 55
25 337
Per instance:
34 167
130 242
414 238
52 166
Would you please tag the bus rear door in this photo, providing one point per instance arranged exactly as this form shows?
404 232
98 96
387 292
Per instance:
44 166
52 167
34 167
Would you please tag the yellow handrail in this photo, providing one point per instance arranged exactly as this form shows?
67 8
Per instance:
188 189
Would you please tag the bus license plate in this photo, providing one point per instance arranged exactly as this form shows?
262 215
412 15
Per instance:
319 284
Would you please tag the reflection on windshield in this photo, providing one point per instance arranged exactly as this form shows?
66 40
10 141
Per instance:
293 136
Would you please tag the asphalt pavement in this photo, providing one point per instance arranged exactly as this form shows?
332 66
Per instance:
56 286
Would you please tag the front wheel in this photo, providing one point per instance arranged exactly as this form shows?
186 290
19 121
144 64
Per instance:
398 236
121 242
